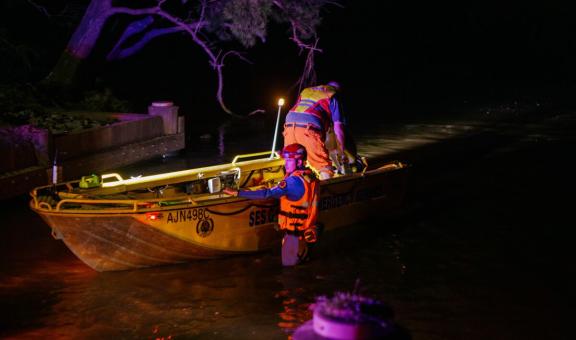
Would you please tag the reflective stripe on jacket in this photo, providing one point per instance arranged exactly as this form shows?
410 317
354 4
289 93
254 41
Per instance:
301 214
315 101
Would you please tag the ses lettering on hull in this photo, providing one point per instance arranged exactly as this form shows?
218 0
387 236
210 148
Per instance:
263 216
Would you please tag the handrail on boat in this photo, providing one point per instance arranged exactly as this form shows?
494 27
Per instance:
133 205
42 204
183 175
68 185
253 155
34 192
115 175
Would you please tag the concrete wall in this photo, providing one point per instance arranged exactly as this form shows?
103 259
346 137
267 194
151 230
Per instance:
131 128
22 147
27 151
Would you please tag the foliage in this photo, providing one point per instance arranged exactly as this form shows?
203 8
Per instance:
42 97
63 123
55 122
18 58
247 20
304 15
18 97
25 104
352 307
17 118
103 101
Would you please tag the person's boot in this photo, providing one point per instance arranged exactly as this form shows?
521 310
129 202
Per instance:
303 251
294 250
289 250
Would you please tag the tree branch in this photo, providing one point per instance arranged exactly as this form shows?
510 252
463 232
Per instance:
120 53
214 59
41 9
135 11
308 76
132 29
300 28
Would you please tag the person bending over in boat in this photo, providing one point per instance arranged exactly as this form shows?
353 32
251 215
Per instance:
298 194
317 121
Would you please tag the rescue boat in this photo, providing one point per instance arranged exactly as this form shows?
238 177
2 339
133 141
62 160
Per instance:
112 223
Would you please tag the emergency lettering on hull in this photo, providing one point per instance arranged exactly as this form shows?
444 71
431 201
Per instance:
335 201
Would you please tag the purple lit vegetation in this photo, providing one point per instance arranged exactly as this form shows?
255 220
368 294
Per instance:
349 307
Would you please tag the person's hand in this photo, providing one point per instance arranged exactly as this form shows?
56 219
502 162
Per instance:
230 191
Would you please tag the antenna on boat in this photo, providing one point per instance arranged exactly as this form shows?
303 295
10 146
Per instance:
54 173
55 168
280 104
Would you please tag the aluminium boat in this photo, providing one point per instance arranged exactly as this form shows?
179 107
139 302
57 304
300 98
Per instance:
112 223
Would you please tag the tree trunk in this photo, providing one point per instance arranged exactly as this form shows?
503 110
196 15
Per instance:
65 72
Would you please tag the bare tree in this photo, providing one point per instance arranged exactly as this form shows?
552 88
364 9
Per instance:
209 23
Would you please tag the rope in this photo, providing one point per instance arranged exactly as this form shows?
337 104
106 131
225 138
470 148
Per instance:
240 210
247 178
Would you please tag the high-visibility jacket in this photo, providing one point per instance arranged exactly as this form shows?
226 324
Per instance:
315 101
301 214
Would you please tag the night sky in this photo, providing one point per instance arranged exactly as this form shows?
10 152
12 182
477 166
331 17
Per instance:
400 59
434 57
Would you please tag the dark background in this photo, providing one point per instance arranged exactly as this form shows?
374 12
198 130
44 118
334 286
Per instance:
484 250
395 60
440 58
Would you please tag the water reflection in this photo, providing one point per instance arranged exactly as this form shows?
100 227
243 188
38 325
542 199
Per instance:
294 313
207 299
221 138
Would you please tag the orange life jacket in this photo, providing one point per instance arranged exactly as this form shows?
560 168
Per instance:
301 214
316 101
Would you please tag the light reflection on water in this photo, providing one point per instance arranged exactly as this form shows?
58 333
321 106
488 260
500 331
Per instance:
234 298
222 142
446 266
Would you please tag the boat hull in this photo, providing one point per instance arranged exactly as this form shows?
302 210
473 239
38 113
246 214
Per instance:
109 242
345 201
223 226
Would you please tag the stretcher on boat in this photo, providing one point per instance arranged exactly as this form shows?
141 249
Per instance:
113 223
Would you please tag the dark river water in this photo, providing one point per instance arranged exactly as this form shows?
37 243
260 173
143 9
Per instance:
482 250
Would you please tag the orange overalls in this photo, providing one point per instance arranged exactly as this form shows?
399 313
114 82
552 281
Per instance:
307 123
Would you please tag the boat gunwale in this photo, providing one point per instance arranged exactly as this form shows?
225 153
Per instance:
38 205
155 204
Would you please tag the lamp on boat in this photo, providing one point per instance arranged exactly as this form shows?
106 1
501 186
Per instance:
280 104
